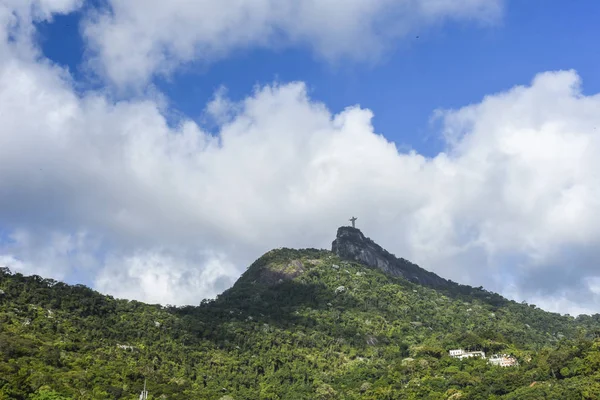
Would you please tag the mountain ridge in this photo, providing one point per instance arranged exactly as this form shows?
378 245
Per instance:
298 324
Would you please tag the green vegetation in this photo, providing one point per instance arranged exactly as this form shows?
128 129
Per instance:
299 324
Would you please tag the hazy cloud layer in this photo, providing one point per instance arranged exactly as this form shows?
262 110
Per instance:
134 39
109 194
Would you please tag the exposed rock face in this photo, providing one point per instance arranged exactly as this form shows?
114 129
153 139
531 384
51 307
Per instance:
274 273
351 244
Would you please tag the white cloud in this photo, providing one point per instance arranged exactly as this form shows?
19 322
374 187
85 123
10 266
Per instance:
39 9
50 254
527 191
159 277
135 39
16 15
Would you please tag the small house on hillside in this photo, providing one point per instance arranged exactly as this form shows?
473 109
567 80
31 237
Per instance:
503 360
461 354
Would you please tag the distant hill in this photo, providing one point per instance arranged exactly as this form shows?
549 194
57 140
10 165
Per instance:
352 323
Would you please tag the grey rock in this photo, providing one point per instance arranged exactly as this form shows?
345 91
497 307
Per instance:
273 274
350 244
371 340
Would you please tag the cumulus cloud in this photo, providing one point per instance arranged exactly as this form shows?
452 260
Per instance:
156 275
174 214
111 194
528 191
39 9
51 254
16 15
134 39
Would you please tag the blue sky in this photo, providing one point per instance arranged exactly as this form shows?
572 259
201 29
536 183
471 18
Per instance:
126 167
444 67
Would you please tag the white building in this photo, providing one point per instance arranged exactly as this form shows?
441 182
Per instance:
461 354
503 360
456 353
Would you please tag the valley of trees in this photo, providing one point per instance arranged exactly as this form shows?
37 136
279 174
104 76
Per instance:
299 324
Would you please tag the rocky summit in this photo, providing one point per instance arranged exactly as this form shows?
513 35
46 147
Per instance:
351 244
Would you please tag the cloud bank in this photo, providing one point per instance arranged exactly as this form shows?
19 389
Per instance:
134 39
109 194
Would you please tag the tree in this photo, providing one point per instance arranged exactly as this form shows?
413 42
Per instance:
46 393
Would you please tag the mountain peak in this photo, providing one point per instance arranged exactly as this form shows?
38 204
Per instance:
351 244
346 231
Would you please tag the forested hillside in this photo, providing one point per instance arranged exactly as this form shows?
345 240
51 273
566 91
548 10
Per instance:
299 324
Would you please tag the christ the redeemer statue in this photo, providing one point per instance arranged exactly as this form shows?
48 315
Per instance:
353 220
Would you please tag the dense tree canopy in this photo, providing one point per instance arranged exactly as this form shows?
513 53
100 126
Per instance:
299 324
